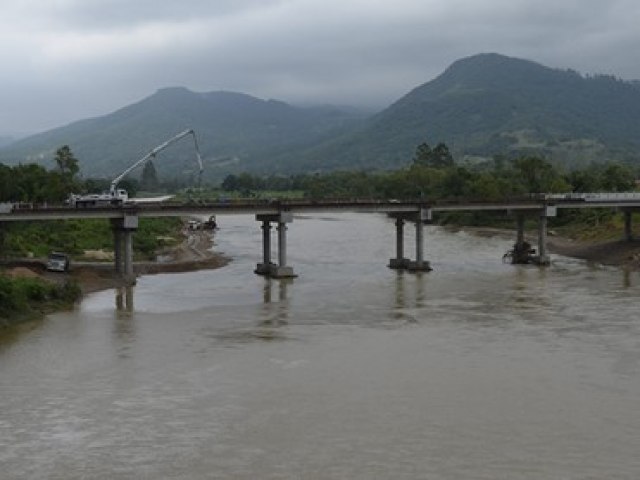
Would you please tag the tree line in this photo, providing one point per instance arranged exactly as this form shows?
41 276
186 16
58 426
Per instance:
434 175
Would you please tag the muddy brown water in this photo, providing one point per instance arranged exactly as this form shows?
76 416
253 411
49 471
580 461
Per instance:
475 370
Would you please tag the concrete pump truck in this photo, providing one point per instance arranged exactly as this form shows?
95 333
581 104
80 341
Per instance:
118 196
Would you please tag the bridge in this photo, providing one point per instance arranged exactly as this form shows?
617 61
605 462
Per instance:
124 221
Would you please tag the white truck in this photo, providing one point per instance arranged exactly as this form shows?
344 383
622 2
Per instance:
58 262
118 196
115 198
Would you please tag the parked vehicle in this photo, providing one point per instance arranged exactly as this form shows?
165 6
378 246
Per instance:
58 262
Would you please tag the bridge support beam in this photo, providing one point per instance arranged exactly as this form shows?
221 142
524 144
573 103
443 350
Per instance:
267 267
123 230
420 217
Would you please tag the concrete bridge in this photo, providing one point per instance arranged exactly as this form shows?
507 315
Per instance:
124 221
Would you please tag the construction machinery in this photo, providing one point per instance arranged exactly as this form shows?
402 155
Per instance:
117 196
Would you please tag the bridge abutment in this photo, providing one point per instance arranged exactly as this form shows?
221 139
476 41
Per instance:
267 267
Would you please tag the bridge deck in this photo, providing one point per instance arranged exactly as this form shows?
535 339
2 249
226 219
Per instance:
164 209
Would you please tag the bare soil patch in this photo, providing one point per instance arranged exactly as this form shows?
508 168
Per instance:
194 253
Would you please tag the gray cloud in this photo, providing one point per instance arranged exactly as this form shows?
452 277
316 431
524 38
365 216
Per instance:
71 59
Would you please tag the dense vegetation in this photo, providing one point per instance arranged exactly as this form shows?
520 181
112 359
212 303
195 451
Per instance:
33 183
27 297
23 298
434 176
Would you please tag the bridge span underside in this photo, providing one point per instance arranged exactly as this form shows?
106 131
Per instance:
124 222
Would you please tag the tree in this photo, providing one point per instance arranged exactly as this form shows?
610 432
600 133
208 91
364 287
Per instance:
618 178
67 162
439 157
537 175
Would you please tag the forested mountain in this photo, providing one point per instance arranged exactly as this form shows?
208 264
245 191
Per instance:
491 104
233 130
480 106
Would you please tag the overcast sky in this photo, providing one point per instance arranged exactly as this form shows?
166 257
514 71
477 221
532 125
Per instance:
64 60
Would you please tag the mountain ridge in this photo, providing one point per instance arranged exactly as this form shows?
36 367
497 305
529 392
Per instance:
481 105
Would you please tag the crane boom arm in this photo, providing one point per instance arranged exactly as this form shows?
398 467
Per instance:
152 153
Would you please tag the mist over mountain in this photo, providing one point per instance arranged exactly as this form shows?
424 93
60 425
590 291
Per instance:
6 140
481 106
490 104
233 130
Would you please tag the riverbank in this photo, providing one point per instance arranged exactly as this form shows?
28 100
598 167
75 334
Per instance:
193 253
619 253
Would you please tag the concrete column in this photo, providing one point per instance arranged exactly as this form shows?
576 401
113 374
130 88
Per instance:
522 251
127 227
543 257
419 243
282 244
520 229
124 299
117 250
628 227
399 262
420 264
265 267
128 256
399 239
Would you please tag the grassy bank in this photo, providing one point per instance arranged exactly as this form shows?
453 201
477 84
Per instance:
24 298
75 237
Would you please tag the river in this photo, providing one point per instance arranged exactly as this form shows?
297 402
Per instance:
351 371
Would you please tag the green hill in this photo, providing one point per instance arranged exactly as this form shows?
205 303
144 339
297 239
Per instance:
235 132
491 104
480 106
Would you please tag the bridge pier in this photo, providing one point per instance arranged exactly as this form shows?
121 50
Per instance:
123 230
267 267
628 226
399 263
542 258
522 252
420 217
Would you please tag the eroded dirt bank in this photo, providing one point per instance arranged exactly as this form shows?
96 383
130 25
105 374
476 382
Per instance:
619 253
194 253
